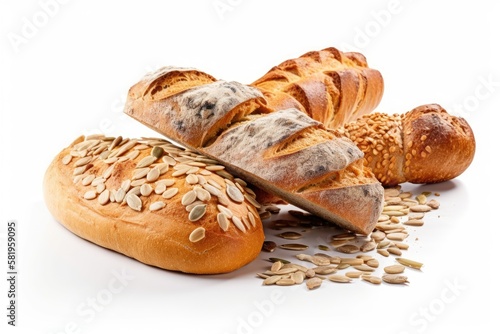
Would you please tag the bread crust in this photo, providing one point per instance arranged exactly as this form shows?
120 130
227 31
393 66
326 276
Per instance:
159 238
330 86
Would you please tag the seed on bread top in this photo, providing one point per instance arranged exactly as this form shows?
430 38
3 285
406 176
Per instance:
146 174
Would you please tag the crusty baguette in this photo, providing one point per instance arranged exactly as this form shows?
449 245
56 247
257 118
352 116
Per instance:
284 152
330 86
154 202
424 145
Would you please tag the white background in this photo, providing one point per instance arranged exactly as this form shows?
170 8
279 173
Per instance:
65 69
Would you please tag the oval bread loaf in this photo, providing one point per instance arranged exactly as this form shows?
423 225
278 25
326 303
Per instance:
155 202
424 145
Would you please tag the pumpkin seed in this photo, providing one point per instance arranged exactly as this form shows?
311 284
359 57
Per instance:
157 152
197 212
197 234
146 161
188 197
223 221
103 198
294 247
134 202
155 206
91 194
238 223
234 193
290 235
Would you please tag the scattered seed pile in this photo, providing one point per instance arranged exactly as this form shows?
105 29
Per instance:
401 210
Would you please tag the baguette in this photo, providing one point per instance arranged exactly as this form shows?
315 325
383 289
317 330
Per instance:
283 152
424 145
154 202
330 86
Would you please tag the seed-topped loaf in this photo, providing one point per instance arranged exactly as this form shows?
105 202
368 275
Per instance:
330 86
424 145
155 202
283 152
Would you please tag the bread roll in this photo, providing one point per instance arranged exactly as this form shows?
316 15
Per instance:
330 86
154 202
283 152
424 145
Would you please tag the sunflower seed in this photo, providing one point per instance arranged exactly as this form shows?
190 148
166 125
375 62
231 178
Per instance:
433 204
394 269
420 208
348 249
276 266
394 251
339 278
197 234
395 279
372 263
251 218
272 280
414 222
368 246
134 202
197 212
285 282
409 263
398 236
313 283
325 270
298 277
383 252
354 274
363 267
372 279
